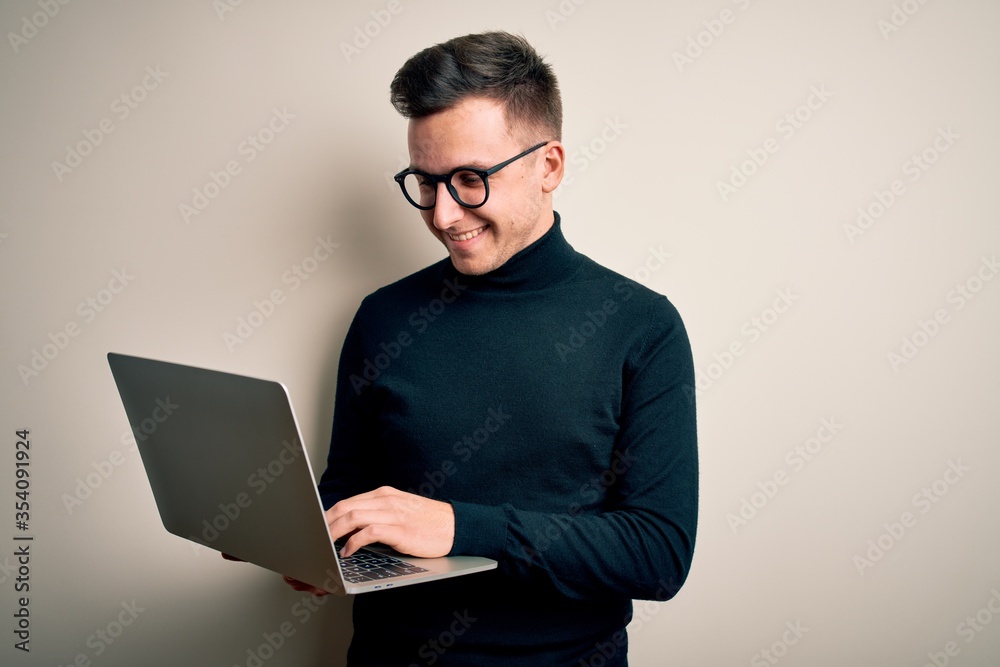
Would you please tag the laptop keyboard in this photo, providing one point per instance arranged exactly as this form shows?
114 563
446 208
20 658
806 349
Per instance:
366 565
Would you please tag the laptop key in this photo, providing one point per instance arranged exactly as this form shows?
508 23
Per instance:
365 565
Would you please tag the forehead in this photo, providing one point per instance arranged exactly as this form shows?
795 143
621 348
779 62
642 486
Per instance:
473 133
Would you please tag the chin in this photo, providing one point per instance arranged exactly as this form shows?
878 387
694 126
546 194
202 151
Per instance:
470 269
475 267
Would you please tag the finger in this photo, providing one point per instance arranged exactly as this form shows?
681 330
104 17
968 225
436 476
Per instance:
375 534
304 587
363 500
362 528
377 499
360 519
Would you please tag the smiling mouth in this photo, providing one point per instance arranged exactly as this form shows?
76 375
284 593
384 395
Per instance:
465 236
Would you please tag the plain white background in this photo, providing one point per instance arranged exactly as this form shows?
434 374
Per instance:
806 111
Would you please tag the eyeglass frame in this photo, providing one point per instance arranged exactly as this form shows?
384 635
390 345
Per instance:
484 174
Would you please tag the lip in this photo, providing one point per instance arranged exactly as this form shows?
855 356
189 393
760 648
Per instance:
451 235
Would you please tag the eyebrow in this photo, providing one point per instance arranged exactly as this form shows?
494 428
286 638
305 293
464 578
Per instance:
478 164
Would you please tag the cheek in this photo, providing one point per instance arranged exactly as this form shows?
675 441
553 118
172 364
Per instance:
522 195
511 210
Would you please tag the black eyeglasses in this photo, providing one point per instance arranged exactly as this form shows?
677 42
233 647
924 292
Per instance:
468 186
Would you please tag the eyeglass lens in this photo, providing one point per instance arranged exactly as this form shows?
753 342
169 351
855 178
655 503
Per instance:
468 186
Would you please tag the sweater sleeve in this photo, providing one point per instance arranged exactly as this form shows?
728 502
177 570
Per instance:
641 542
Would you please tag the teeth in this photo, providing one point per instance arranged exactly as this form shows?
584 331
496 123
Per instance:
467 235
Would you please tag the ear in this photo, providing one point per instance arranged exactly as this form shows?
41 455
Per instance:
553 164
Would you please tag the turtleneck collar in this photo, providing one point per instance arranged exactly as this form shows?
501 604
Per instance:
548 261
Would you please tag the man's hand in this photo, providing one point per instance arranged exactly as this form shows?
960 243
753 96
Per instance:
294 583
304 587
408 523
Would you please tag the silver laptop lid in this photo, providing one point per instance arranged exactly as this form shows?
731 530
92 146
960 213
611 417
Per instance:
226 465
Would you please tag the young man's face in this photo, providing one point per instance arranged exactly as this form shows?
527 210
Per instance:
474 133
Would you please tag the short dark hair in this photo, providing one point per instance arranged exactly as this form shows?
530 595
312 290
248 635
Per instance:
494 65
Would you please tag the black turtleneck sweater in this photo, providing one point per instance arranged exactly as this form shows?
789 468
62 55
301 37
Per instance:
550 402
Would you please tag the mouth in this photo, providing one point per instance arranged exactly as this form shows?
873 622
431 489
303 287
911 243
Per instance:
467 236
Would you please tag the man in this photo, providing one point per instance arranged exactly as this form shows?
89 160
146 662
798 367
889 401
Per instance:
514 400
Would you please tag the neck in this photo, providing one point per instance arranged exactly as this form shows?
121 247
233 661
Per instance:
547 261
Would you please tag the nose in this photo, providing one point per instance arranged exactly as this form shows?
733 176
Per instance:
447 211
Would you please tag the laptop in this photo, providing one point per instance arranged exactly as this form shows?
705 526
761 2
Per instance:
227 467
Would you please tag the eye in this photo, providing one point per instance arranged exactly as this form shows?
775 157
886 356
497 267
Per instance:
468 179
